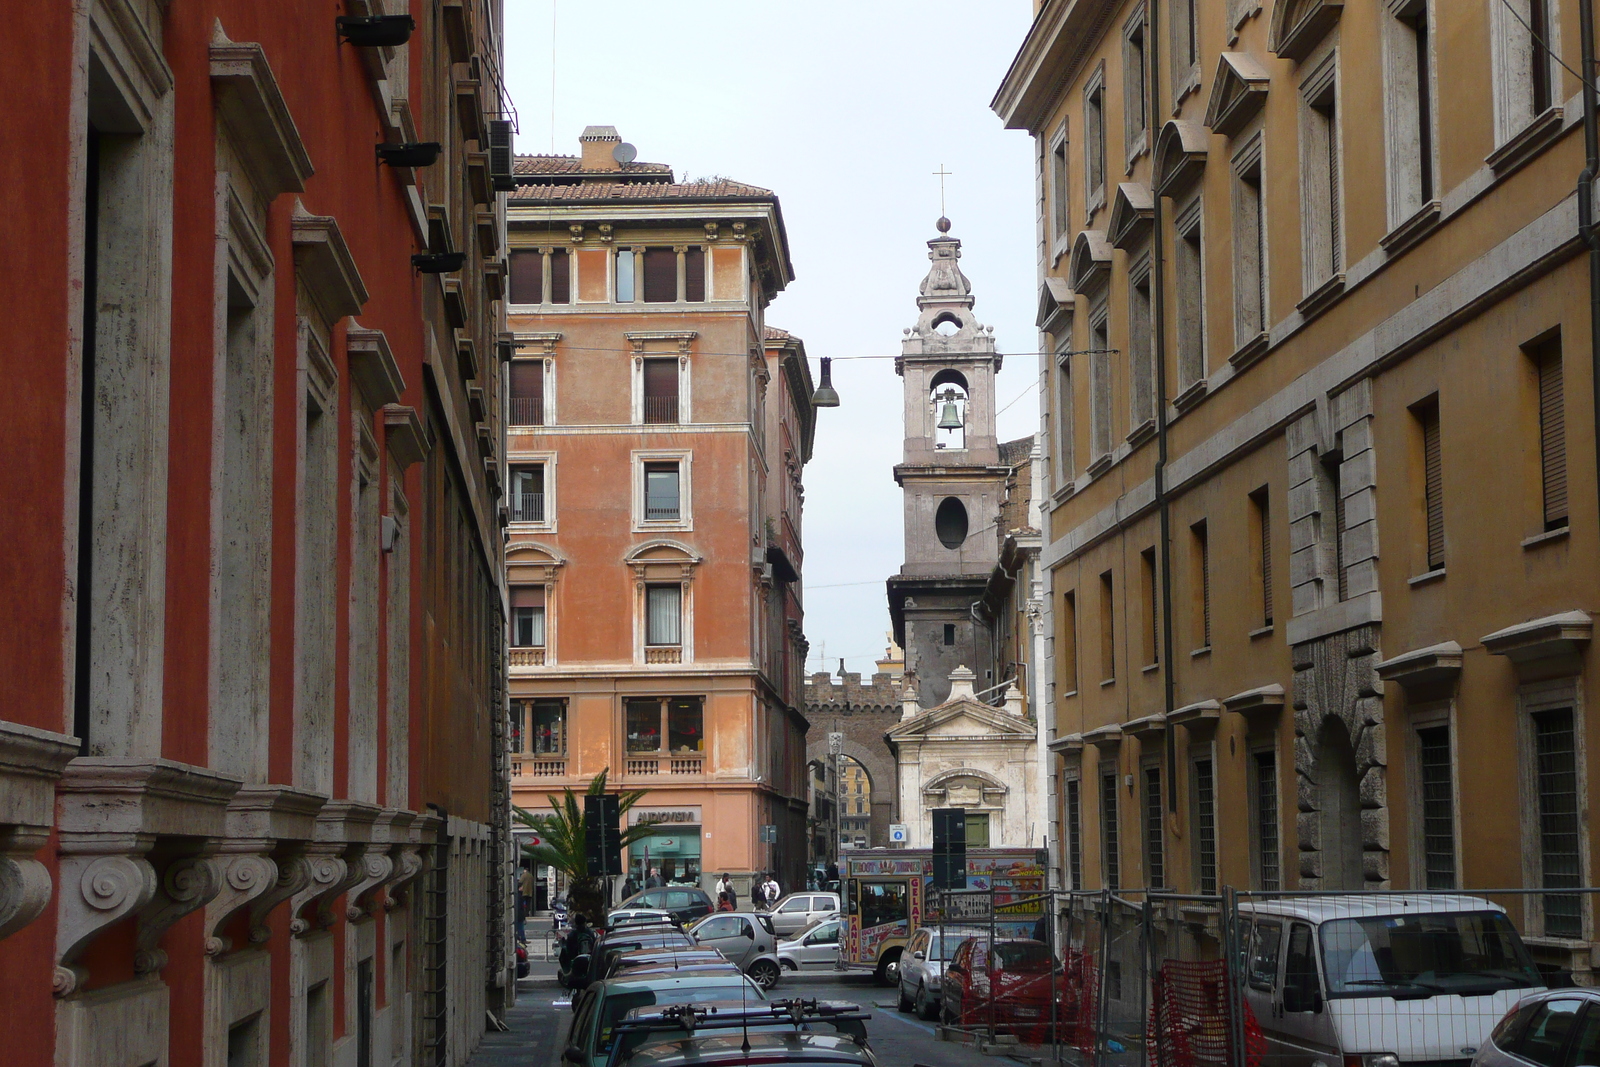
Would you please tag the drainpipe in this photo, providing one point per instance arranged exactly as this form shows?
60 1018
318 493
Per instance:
1586 222
1158 338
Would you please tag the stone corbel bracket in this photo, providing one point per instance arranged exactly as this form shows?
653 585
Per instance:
342 837
407 865
267 824
325 873
376 868
96 892
30 762
188 884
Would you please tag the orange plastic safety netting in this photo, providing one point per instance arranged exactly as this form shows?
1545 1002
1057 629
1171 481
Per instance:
1078 1001
1188 1024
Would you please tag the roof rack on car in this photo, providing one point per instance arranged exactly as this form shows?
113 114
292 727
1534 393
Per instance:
796 1010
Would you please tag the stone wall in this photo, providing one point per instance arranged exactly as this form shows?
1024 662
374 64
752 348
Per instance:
863 713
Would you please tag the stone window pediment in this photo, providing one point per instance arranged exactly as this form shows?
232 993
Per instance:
1238 93
1132 210
1056 300
1299 25
1091 261
1180 157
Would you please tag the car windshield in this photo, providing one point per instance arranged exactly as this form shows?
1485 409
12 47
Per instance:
1421 955
619 1004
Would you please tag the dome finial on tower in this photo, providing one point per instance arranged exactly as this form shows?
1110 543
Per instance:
943 224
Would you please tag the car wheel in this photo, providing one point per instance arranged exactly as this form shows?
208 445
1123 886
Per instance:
925 1007
902 1002
765 973
888 972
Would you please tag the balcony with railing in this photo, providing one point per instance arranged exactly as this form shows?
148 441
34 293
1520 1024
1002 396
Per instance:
637 766
527 507
527 657
526 411
663 654
661 409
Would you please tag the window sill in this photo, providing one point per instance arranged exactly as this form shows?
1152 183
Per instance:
1538 540
1060 496
1101 464
1203 650
1527 143
1425 578
1250 351
1107 681
1320 297
1413 229
1261 631
1148 667
1064 696
1190 396
1141 433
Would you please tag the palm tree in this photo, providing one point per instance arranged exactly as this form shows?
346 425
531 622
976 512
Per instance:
562 844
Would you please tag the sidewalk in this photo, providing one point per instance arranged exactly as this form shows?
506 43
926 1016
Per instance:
532 1039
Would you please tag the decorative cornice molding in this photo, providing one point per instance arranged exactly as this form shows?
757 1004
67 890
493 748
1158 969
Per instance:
249 102
373 366
324 263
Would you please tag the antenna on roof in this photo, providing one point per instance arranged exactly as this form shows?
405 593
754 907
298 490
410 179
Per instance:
624 152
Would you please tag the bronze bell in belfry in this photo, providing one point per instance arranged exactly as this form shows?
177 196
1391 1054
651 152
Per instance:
950 418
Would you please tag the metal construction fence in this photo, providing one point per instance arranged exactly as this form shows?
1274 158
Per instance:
1255 979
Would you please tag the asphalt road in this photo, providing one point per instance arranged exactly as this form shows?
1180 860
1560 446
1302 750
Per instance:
538 1024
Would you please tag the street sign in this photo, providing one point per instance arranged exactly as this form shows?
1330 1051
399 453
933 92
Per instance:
949 848
835 743
769 834
899 833
602 834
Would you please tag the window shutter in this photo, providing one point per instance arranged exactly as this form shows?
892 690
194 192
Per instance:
1335 204
527 392
1433 486
1553 439
527 596
694 274
660 275
560 277
527 277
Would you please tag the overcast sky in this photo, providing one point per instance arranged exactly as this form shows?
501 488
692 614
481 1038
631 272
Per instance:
845 110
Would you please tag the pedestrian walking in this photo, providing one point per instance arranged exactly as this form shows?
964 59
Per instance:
773 892
654 881
629 887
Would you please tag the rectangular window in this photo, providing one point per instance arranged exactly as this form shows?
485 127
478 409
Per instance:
527 493
1539 47
1202 583
1154 851
694 274
1108 636
1074 835
660 276
1321 198
625 274
1150 594
1141 354
1552 433
949 633
1111 857
661 390
661 498
1060 213
977 829
1411 111
1269 866
1066 465
663 614
680 720
1249 254
1191 322
644 725
1185 52
560 277
1067 642
686 725
527 392
547 728
1438 807
1261 550
1135 103
1100 387
1427 414
1556 779
527 277
1094 145
527 616
1334 500
1205 825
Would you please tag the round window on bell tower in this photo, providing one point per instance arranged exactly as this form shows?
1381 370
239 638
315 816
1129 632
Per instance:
950 523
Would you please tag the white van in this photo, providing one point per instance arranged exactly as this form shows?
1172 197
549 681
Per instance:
1380 980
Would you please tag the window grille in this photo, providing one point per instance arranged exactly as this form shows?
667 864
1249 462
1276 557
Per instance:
1112 860
1553 436
1438 808
1556 775
1205 817
1154 852
1267 851
1074 834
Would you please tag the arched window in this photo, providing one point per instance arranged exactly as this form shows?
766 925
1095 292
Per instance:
947 402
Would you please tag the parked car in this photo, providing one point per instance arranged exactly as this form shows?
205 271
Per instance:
1386 980
675 956
815 948
627 940
598 1009
1004 982
922 966
685 902
797 911
1557 1028
746 938
732 1034
638 917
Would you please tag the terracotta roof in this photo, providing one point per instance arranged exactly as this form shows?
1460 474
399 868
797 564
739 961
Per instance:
719 188
573 165
772 333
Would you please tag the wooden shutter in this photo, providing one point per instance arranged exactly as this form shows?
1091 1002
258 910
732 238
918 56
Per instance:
694 274
1335 202
1264 517
560 277
1433 485
1553 437
661 378
660 275
527 379
527 596
527 277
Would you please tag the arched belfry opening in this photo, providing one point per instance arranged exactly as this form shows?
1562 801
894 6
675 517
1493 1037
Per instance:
947 408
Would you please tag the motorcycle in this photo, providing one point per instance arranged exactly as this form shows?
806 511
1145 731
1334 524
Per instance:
572 965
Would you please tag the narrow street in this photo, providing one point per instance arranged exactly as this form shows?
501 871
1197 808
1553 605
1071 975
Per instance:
538 1023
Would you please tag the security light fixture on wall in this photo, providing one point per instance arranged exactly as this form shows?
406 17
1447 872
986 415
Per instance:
375 31
409 153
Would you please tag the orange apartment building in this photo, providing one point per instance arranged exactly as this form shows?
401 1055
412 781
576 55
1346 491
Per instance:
657 434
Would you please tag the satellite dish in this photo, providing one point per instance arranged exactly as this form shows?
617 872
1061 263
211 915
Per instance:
624 152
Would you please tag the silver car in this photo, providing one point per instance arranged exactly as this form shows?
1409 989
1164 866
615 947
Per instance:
746 939
816 948
922 966
797 911
1557 1028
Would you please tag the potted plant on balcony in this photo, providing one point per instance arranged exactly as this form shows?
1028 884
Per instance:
562 844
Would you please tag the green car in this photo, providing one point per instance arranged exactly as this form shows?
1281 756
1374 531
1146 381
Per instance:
603 1004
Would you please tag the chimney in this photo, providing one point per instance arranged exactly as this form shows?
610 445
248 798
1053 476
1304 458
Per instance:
598 144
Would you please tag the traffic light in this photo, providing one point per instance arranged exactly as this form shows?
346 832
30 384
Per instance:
949 848
602 834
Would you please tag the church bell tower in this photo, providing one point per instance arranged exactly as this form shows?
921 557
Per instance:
951 479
